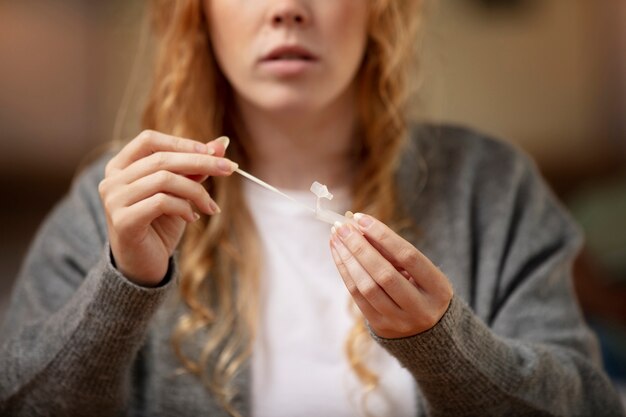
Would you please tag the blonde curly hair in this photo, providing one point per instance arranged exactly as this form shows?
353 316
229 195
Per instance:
220 255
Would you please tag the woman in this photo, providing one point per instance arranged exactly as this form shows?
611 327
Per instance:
257 318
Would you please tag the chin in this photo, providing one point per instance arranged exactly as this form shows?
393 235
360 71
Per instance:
289 102
292 106
292 99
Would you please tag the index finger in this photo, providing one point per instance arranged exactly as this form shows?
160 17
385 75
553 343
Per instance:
149 142
399 251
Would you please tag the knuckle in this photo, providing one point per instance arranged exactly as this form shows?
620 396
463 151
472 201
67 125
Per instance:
164 178
159 160
430 318
352 289
146 136
449 291
198 161
103 187
108 205
387 277
108 202
349 259
403 326
445 291
200 190
383 324
359 249
108 168
160 201
383 234
118 221
200 193
377 322
180 145
408 256
370 291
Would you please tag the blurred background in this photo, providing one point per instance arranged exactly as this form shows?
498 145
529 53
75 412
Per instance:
547 75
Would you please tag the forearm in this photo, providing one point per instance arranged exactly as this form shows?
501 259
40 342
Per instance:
77 361
462 367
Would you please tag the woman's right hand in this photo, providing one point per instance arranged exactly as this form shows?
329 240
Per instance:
148 192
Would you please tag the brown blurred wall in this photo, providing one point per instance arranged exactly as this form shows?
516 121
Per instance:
541 76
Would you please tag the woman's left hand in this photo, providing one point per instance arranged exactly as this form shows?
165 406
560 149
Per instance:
398 290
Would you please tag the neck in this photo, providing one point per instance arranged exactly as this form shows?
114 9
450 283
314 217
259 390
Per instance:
291 151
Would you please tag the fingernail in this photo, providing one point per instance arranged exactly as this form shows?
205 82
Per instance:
343 229
363 220
349 214
226 165
215 209
196 217
200 147
224 140
334 240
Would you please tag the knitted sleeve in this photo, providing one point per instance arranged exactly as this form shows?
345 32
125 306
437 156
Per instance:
74 323
529 351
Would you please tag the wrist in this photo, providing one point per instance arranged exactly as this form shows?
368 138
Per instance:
154 281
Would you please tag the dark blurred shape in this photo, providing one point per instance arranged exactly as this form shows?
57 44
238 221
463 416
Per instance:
601 212
600 274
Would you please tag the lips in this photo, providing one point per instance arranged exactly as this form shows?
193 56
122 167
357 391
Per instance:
288 62
289 53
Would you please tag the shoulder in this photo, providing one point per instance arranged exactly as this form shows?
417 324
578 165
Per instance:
473 176
456 158
461 175
80 211
458 147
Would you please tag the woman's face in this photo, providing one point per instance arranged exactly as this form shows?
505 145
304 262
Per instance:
286 55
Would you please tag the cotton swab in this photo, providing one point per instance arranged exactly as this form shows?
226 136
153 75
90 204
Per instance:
320 190
271 188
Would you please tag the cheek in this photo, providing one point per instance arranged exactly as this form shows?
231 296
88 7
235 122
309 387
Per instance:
227 22
345 28
220 32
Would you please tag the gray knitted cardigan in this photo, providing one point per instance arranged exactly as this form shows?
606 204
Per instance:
80 339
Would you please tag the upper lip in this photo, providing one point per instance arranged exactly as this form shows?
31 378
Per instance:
283 50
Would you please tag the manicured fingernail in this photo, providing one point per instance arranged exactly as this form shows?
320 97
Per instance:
224 140
226 165
342 252
343 229
334 240
201 148
215 209
363 220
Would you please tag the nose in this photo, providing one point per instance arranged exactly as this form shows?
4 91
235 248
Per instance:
288 14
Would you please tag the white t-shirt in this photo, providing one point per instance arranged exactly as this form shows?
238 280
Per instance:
299 365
